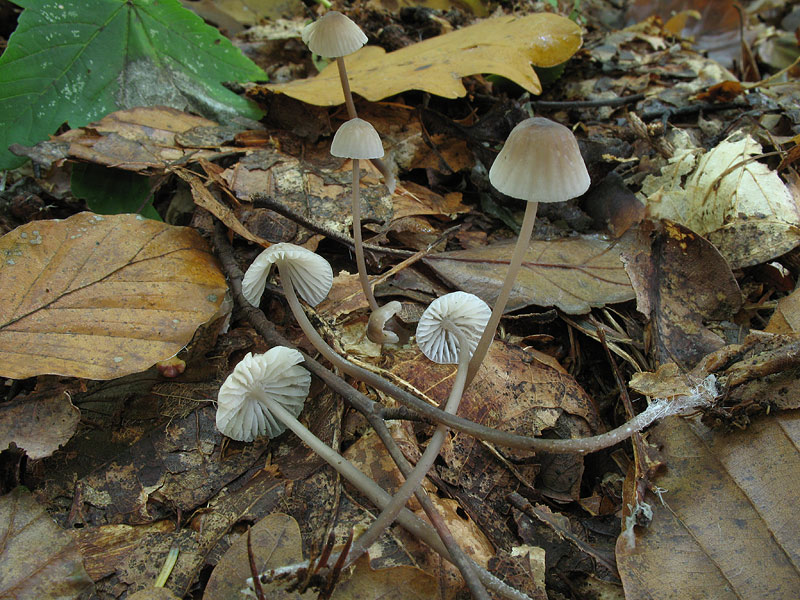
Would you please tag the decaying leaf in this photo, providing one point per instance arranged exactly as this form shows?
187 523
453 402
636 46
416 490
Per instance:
38 558
573 274
505 46
275 541
725 514
682 283
738 203
141 139
396 583
101 297
39 424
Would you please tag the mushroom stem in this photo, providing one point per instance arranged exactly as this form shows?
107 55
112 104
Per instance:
521 247
503 438
348 95
359 244
414 479
381 497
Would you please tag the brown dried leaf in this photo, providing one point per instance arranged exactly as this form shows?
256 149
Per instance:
505 46
574 274
138 139
39 424
275 541
727 515
38 558
682 282
396 583
101 296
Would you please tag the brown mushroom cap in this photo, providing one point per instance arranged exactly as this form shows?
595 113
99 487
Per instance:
540 162
357 139
333 35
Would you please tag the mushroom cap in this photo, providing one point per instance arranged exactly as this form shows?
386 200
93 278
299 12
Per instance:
333 35
357 139
540 162
311 274
465 311
242 413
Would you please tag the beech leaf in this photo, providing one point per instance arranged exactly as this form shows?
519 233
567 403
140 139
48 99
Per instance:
101 296
505 46
574 274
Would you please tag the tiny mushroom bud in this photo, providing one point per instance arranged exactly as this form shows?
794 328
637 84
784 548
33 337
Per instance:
244 404
376 331
540 162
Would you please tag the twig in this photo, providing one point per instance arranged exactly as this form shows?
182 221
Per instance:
620 101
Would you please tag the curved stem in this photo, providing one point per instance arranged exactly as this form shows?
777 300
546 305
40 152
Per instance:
348 95
523 241
413 481
381 498
496 436
359 245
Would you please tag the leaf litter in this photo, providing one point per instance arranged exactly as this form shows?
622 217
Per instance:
700 285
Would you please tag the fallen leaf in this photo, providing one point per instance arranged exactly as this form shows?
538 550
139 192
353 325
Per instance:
507 46
275 541
738 203
40 560
140 139
176 468
725 514
396 583
573 274
101 296
681 282
39 423
786 318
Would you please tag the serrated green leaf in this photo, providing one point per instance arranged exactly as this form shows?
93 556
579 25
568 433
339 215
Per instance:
75 62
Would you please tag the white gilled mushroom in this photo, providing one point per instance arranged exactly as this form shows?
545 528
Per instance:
357 139
540 162
447 333
308 272
248 395
334 35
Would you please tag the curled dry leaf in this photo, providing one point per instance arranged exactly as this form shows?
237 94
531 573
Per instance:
738 203
38 558
101 297
505 46
573 274
682 282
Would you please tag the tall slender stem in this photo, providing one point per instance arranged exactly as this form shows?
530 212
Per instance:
348 95
521 247
359 245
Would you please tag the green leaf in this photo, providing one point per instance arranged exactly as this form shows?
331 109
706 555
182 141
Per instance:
78 61
112 191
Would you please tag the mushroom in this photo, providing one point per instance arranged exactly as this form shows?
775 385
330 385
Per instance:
447 333
259 381
376 327
334 35
266 392
357 139
540 162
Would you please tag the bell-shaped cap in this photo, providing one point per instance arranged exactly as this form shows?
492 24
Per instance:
540 162
460 310
357 139
242 412
333 35
311 274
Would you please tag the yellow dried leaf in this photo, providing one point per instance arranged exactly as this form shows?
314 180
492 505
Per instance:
505 46
101 296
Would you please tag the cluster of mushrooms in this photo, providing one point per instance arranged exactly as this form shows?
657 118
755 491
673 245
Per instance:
265 393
